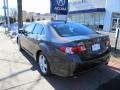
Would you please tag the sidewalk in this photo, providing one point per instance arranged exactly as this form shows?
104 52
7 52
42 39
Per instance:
16 72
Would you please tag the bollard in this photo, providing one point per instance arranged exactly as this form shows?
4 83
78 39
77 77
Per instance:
117 38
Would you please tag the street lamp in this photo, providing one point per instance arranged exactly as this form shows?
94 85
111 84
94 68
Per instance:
8 19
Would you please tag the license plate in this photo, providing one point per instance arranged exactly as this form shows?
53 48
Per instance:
95 47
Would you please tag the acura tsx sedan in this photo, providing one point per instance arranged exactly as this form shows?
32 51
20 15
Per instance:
63 48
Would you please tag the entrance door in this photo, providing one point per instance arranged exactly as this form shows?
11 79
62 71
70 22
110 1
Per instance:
115 23
119 23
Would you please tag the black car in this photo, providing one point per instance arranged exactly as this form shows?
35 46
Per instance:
64 48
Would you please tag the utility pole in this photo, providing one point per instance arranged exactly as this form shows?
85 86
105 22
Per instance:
20 21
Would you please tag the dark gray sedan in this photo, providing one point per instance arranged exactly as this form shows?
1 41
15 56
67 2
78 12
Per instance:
63 48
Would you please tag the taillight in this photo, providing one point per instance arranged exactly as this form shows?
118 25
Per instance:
73 50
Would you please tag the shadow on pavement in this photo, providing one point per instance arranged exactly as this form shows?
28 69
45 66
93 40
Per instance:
113 84
31 60
115 53
89 80
2 79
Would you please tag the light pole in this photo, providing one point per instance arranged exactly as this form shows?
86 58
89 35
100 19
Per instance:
8 19
6 14
4 8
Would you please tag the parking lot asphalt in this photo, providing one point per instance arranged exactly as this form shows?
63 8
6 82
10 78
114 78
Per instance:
19 71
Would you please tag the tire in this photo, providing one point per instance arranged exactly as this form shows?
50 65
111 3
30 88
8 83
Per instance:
19 46
44 65
106 63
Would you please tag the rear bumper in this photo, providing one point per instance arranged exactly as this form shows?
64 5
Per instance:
91 63
64 65
99 59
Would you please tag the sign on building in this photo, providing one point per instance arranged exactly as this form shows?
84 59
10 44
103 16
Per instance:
59 7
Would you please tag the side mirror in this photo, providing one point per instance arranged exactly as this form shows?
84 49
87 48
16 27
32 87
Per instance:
20 31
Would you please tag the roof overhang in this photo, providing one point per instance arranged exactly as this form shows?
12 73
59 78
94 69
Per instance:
88 11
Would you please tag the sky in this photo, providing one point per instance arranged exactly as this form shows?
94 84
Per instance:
39 6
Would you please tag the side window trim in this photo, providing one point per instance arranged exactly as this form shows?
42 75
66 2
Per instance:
43 29
33 28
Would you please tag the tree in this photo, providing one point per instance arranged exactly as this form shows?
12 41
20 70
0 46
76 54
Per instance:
43 19
27 20
19 6
13 12
11 20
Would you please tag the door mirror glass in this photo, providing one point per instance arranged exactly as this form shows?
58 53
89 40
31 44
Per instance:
20 31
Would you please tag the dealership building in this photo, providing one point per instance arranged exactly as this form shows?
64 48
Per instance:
97 14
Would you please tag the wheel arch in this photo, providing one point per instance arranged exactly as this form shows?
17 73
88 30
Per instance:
44 49
37 55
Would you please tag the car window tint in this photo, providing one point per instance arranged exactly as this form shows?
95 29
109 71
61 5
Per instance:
29 28
38 29
71 29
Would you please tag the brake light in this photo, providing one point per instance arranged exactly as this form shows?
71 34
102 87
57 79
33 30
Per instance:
73 50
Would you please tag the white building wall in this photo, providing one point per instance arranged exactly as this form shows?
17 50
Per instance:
111 6
87 4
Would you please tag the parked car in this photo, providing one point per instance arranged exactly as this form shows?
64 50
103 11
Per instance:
63 48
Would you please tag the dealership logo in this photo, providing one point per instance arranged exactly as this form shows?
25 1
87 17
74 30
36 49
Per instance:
60 2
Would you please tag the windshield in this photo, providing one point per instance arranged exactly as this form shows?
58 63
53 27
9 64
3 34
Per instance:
71 29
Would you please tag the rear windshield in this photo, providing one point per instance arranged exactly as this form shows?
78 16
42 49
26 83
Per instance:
71 29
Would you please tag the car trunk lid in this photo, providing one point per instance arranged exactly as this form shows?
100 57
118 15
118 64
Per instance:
95 45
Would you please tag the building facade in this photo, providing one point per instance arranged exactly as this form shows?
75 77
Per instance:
97 14
46 16
32 16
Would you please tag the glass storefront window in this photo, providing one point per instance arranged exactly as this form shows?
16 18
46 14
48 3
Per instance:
77 18
97 18
102 18
86 19
81 18
90 19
